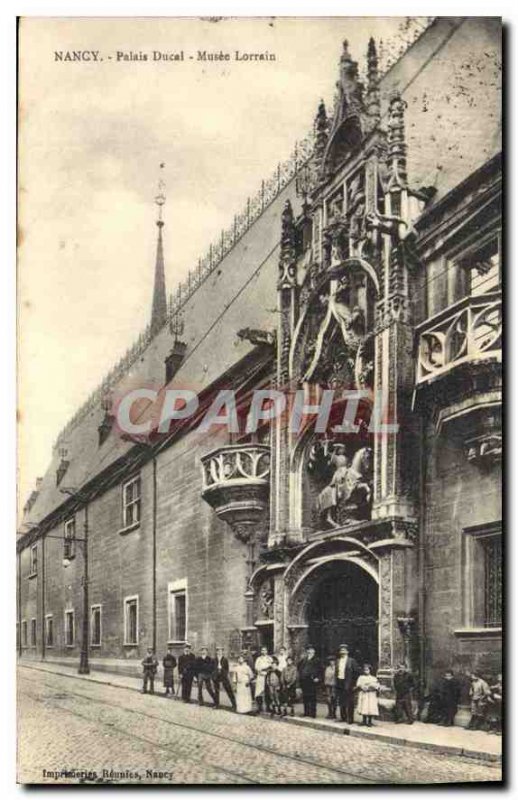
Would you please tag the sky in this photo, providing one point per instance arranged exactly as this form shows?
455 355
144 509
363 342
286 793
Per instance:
92 135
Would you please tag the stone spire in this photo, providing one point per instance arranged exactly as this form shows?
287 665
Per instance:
396 161
287 259
349 87
373 95
321 134
159 307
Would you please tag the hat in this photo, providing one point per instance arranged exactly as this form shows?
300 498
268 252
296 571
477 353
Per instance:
187 644
346 646
310 647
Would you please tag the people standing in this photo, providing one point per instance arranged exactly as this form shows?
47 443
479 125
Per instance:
404 687
449 696
221 677
244 677
367 687
187 671
149 667
347 671
309 670
273 685
479 693
169 663
262 664
204 672
330 687
289 687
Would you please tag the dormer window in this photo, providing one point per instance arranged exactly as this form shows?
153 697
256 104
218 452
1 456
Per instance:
174 360
105 428
62 466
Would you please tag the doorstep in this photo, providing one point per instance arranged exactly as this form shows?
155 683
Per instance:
461 742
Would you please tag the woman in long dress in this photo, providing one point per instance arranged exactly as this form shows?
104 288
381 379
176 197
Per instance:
367 687
244 678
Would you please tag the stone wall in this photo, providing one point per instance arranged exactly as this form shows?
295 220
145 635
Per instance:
458 495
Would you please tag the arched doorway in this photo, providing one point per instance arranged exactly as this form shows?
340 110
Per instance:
342 607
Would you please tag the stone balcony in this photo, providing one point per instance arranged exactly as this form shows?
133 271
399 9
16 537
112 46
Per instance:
236 483
463 334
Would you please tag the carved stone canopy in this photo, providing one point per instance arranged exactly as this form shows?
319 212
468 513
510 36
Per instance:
332 343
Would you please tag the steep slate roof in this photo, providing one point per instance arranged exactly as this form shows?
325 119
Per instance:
450 60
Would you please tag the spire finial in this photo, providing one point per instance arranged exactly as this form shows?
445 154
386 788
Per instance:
159 307
160 197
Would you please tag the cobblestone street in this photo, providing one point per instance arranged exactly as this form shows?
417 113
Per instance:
113 735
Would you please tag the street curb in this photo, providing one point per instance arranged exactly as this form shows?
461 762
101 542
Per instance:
490 758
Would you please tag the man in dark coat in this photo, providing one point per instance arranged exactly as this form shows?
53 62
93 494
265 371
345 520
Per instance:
169 663
310 674
221 677
204 672
187 671
449 695
347 671
404 686
149 667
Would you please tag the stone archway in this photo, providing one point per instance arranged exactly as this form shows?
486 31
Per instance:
343 607
335 601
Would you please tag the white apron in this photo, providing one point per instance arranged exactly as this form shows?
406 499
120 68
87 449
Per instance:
243 675
262 663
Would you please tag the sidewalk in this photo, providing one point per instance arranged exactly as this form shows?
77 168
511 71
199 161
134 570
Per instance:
453 741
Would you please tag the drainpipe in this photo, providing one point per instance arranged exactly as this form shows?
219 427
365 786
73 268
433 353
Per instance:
43 631
154 549
20 650
422 555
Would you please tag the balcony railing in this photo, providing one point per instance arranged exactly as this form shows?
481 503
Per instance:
470 330
236 483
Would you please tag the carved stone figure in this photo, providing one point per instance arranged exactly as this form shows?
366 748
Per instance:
349 492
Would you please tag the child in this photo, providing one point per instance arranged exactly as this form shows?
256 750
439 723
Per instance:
169 663
368 687
404 687
330 686
273 683
289 687
449 694
149 666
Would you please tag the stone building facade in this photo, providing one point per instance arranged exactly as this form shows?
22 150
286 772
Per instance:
374 267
